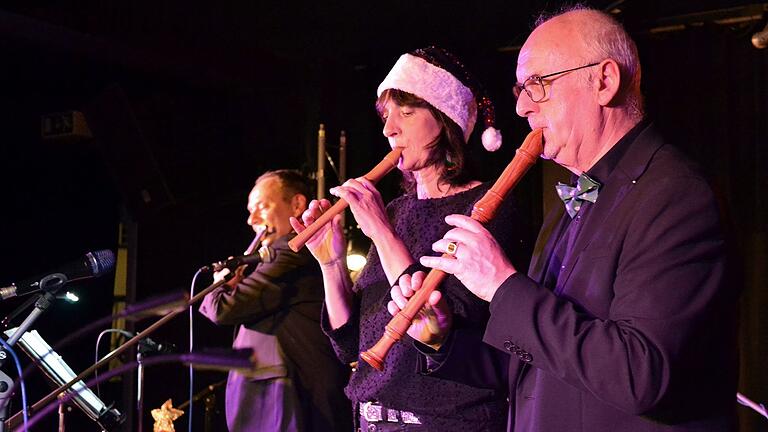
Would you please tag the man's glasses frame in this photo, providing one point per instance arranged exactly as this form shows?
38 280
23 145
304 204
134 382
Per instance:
539 80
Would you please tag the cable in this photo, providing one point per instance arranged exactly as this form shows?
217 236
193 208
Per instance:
191 345
96 358
21 384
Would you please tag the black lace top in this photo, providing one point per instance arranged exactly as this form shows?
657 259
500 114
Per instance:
440 404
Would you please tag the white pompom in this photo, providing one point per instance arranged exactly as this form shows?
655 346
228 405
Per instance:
491 139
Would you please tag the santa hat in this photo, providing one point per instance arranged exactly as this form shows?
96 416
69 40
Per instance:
439 78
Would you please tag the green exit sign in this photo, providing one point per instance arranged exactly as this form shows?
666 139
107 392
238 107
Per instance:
68 125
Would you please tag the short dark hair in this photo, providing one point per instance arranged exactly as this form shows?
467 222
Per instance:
292 182
449 145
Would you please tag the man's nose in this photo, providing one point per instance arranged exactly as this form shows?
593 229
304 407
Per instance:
525 106
254 218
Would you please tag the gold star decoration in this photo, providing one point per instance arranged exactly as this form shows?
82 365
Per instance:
164 417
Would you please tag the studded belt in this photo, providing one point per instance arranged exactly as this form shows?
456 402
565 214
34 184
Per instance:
374 412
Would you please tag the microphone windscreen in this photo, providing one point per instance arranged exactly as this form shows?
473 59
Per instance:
102 261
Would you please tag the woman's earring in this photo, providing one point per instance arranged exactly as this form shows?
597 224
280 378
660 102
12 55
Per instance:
449 164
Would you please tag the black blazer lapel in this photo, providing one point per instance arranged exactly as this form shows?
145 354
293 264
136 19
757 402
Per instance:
623 177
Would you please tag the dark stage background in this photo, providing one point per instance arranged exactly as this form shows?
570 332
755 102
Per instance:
192 103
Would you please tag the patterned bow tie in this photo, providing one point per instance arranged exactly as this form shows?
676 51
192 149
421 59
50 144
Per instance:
585 190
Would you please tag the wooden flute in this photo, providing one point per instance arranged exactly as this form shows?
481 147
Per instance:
380 170
483 211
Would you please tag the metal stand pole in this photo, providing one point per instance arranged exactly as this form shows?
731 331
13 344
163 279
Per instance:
321 162
139 393
209 398
343 170
62 410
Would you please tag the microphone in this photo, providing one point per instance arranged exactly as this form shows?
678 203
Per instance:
760 39
93 264
265 254
151 346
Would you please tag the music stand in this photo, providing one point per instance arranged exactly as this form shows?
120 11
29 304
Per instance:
57 371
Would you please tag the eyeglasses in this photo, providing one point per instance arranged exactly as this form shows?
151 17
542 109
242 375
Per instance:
534 85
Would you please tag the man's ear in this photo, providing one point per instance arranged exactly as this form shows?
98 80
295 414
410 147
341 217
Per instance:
608 82
298 204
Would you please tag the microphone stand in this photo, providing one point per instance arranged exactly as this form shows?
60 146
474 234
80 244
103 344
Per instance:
6 323
6 385
63 408
139 391
144 348
209 395
49 285
119 350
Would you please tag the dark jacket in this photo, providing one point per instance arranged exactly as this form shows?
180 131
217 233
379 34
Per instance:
284 298
639 332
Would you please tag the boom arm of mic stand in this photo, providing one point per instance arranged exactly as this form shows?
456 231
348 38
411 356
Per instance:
129 343
50 285
6 323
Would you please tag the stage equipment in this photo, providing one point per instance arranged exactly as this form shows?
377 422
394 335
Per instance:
264 254
93 264
189 358
57 371
343 168
208 395
240 360
320 174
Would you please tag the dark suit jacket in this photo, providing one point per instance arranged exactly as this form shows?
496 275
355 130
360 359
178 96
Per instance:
284 298
639 333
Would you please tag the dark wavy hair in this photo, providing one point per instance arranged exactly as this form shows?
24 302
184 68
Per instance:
449 145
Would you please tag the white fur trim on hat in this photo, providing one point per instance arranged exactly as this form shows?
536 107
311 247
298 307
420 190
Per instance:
435 85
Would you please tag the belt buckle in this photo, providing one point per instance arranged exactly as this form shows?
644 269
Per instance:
392 415
371 412
409 417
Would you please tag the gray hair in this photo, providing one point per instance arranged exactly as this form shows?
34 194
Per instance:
606 38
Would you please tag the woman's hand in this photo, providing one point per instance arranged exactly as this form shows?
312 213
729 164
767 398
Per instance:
327 245
432 323
366 205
